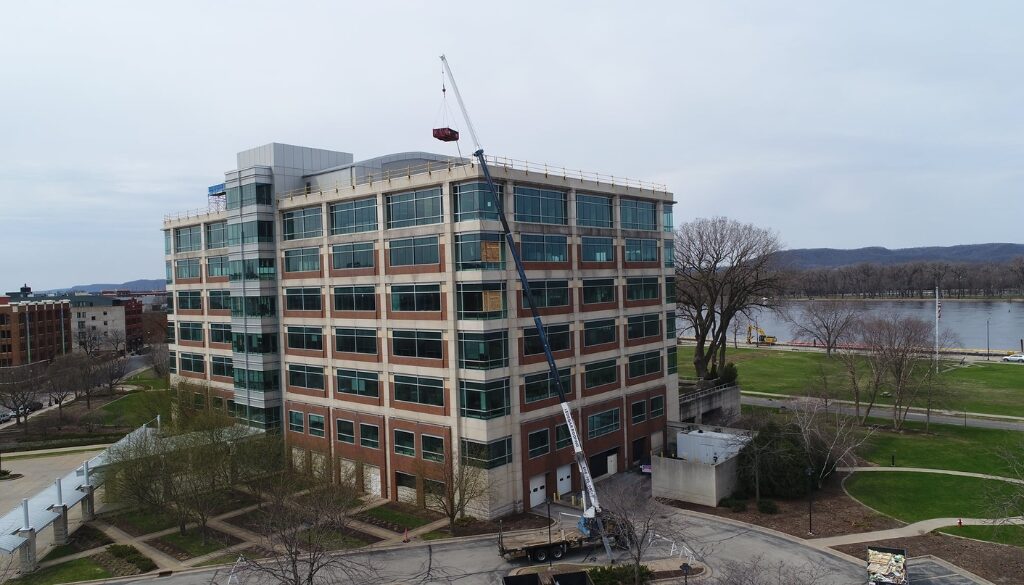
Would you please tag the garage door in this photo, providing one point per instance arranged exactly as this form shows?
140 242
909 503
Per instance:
347 471
564 479
538 490
371 480
656 441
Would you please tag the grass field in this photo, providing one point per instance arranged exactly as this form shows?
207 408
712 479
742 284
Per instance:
1003 534
991 388
192 543
912 497
76 570
945 447
135 409
396 517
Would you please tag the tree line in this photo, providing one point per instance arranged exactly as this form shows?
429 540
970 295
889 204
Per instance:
911 280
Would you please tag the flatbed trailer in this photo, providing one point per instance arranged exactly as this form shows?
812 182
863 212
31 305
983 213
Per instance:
534 545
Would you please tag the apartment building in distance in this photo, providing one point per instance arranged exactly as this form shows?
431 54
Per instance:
33 330
106 323
370 310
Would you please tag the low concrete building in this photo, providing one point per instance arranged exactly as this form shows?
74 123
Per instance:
702 467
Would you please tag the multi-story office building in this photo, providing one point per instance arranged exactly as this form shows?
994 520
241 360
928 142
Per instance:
33 330
104 323
372 312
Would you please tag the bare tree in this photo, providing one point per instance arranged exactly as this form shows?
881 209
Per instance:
18 386
111 371
757 571
459 486
635 519
829 441
723 267
825 322
158 359
117 341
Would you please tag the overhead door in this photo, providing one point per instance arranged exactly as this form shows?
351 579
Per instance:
371 480
538 490
564 479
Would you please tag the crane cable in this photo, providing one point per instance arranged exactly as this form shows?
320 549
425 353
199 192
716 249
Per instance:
444 112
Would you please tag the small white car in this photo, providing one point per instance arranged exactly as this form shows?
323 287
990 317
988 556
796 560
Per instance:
1017 357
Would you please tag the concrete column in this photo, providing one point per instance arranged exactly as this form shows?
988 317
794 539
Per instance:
27 551
60 525
88 504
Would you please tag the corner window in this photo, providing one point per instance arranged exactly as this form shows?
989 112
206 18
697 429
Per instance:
670 325
669 254
487 455
483 351
474 201
481 300
480 251
673 360
484 400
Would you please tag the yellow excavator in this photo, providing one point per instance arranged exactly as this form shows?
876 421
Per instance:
761 337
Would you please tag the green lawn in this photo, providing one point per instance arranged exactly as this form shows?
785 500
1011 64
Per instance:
192 542
332 540
76 570
945 447
991 388
396 517
1003 534
148 381
135 409
912 497
140 522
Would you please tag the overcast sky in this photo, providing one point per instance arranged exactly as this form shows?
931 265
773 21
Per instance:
838 124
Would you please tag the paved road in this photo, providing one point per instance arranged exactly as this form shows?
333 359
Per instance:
886 413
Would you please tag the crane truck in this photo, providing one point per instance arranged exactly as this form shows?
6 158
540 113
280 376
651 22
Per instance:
591 523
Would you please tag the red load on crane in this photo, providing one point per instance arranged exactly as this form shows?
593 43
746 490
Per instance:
446 134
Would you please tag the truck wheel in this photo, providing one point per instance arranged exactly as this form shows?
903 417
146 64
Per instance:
557 552
540 555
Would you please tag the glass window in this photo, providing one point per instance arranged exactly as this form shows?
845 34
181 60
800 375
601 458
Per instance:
259 343
483 351
257 380
540 386
603 423
304 376
302 223
167 242
657 406
220 300
640 326
638 411
189 331
540 248
487 455
190 300
474 201
250 232
316 425
479 251
405 443
188 239
539 443
484 400
306 338
217 266
216 235
599 290
416 297
429 391
432 447
667 225
346 431
355 340
420 344
221 365
673 360
358 383
295 421
251 194
598 250
484 300
599 332
414 208
670 325
670 289
345 256
253 269
643 364
302 260
355 298
193 362
254 306
187 268
170 333
642 288
411 251
168 272
562 437
593 210
220 332
669 254
535 205
172 362
638 215
405 480
302 299
600 374
548 293
369 436
641 250
558 336
351 217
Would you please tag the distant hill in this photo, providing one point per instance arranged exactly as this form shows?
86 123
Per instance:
132 285
804 258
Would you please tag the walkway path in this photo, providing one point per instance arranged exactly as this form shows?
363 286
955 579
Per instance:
937 471
910 530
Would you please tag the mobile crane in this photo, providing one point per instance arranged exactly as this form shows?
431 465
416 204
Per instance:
591 521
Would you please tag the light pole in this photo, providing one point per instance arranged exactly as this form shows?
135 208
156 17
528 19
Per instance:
549 532
988 343
686 568
810 500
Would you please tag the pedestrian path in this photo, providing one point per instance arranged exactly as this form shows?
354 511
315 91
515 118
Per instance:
934 411
936 471
910 530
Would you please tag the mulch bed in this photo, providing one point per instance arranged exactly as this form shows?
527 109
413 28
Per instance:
235 499
999 563
161 545
85 538
520 521
658 575
834 513
117 567
253 520
423 514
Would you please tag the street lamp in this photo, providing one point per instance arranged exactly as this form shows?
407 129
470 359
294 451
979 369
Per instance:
988 344
686 568
549 532
810 500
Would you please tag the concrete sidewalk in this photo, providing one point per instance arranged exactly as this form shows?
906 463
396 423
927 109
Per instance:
934 412
910 530
936 471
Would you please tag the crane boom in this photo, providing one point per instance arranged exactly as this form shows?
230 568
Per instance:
593 510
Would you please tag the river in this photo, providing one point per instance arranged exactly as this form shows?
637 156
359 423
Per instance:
964 319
